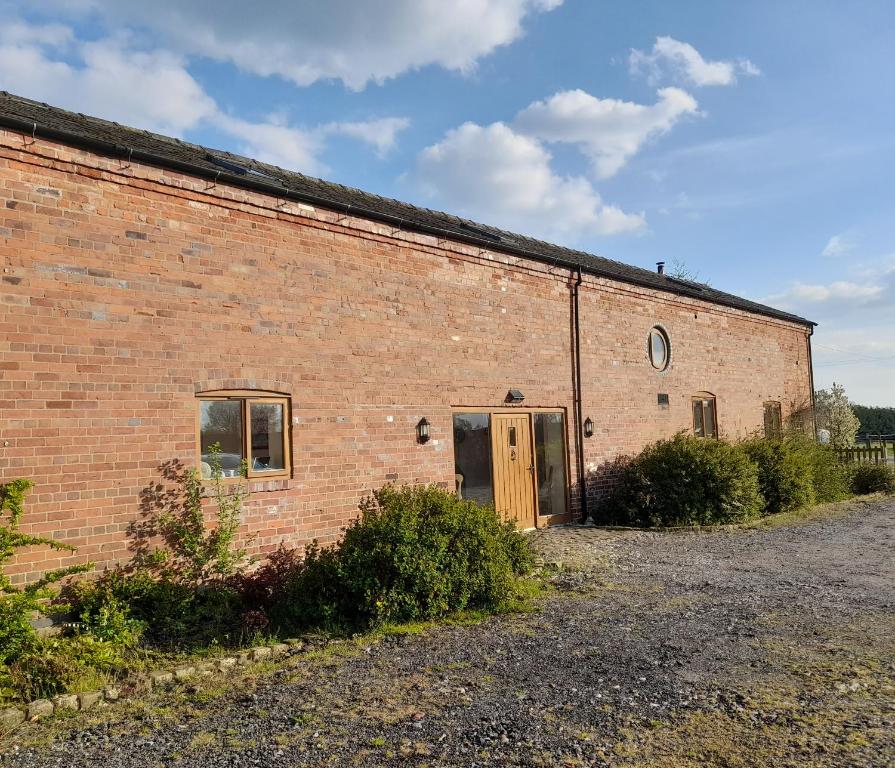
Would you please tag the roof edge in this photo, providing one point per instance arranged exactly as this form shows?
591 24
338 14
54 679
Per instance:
69 138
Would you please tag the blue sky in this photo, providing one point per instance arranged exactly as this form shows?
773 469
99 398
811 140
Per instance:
752 142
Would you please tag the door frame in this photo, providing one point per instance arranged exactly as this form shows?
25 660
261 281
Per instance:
540 520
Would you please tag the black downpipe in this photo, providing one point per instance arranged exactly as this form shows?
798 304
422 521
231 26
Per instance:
582 480
811 377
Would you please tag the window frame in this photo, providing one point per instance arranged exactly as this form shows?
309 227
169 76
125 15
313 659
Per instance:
666 340
706 400
246 397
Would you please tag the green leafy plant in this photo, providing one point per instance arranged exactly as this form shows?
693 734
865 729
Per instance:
18 604
685 481
413 553
872 478
143 607
58 664
197 552
785 473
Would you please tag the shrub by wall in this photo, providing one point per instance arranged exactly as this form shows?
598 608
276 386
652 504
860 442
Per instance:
785 473
685 481
829 478
414 553
872 478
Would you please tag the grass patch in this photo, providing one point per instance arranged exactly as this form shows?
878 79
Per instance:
828 704
809 514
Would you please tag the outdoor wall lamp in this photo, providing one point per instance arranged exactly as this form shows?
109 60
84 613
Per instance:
422 430
588 427
515 396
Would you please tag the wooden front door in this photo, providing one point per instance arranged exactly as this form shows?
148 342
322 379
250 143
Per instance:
514 470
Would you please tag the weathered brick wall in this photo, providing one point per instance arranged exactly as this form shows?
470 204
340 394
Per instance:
127 289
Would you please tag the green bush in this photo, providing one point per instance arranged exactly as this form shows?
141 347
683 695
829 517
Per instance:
414 553
829 478
785 473
872 478
158 611
685 481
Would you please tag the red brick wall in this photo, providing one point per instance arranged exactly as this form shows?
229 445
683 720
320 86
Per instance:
126 289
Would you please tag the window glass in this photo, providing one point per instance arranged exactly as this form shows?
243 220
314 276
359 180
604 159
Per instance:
267 437
698 428
472 457
709 409
220 421
658 349
550 450
704 424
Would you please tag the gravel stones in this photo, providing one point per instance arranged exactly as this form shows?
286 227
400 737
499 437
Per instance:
646 629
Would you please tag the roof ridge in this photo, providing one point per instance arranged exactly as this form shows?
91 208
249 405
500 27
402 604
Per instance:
72 127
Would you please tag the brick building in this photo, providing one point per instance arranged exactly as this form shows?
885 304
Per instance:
157 297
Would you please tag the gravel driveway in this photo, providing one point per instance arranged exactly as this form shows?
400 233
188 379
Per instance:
735 648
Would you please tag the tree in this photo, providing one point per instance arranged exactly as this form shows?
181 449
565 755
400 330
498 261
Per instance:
681 271
835 414
875 420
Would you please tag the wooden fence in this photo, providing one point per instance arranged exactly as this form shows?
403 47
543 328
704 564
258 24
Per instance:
886 443
862 455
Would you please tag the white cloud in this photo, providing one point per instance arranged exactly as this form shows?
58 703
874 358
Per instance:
676 59
154 90
306 40
15 32
609 131
275 143
806 294
380 133
853 342
150 89
494 174
837 245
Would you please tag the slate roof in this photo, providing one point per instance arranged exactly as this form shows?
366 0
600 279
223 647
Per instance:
109 138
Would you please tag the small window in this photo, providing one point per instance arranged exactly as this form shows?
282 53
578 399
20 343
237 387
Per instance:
705 422
773 420
659 348
250 431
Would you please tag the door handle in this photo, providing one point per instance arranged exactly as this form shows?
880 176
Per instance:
532 469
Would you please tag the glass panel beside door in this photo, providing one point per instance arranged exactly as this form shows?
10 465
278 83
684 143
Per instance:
550 452
472 457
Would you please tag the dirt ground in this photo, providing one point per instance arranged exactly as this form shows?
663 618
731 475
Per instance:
766 647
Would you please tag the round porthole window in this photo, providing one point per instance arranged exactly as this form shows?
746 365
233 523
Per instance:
659 348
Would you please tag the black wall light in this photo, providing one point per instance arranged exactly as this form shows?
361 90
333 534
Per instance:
588 427
515 396
422 430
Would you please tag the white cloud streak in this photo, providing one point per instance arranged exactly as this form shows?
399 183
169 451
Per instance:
677 60
837 245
